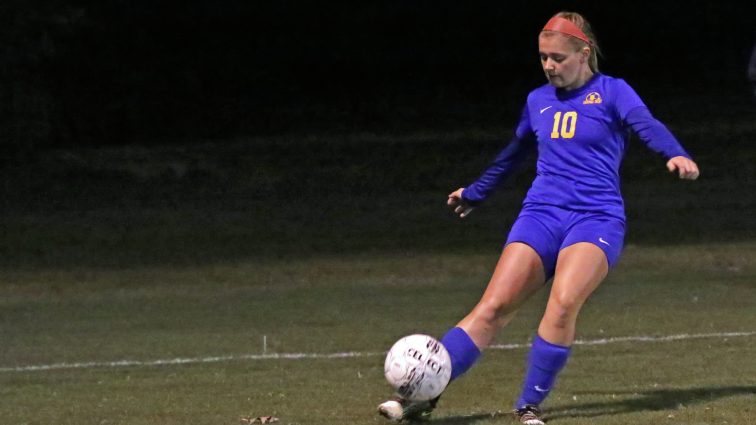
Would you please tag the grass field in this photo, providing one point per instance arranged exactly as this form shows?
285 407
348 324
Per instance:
361 304
197 284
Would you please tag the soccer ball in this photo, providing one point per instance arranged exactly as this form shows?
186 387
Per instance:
418 367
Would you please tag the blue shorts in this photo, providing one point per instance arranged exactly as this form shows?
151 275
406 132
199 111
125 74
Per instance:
548 229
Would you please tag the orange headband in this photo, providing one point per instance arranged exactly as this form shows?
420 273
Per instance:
565 26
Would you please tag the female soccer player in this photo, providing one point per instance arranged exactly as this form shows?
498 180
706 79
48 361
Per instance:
572 223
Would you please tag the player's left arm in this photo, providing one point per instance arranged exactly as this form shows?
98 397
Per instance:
686 168
659 139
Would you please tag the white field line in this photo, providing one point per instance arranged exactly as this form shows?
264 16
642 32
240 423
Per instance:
343 355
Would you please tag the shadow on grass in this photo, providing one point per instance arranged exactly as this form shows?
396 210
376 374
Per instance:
652 400
637 401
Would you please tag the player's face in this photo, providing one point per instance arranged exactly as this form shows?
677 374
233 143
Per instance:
564 66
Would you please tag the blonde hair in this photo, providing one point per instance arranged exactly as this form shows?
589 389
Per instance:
582 23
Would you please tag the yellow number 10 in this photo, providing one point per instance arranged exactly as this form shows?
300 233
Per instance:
567 130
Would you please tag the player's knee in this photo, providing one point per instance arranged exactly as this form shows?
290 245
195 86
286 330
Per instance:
566 302
557 318
562 310
495 312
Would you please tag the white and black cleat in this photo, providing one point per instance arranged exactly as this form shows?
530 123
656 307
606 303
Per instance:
529 415
398 409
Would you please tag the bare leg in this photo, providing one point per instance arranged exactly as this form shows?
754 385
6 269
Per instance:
518 275
579 271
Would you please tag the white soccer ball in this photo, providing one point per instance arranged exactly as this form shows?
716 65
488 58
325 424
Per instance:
418 367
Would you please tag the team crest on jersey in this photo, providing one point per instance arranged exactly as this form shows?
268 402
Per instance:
593 98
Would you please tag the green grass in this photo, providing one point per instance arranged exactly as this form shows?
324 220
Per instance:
333 244
363 303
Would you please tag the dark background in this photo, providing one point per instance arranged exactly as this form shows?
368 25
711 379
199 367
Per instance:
114 72
190 132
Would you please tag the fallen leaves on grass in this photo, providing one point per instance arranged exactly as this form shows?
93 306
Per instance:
259 420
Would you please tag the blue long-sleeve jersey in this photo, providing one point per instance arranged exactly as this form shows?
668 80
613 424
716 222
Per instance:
581 137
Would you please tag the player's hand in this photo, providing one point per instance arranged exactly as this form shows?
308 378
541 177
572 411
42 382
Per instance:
686 168
459 205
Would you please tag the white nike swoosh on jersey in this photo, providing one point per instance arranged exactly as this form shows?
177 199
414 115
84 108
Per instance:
604 242
540 390
544 109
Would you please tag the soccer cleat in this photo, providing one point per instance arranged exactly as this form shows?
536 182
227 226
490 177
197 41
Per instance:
398 409
529 415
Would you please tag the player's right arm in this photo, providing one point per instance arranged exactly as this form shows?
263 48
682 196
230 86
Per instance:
458 203
463 200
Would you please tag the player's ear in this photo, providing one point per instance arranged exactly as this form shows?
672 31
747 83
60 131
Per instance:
585 53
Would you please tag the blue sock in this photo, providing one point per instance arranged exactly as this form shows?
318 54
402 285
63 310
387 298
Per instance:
545 361
462 350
